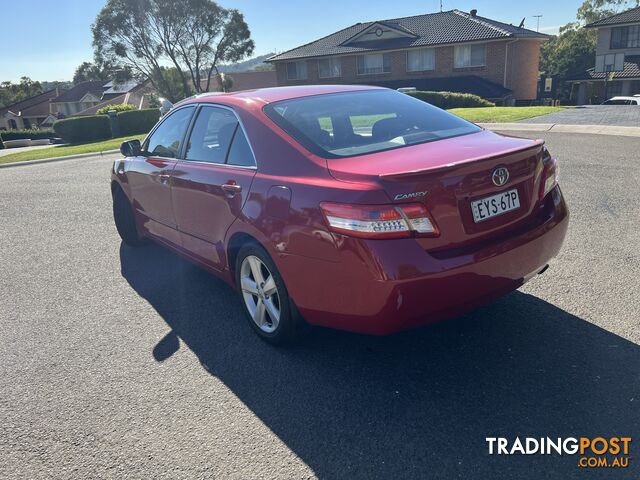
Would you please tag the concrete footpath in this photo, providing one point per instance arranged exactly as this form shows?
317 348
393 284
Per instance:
557 128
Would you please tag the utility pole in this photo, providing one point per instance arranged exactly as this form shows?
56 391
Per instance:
440 5
538 25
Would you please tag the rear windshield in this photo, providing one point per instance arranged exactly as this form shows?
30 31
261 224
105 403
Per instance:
355 123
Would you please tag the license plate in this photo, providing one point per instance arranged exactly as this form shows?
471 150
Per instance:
495 205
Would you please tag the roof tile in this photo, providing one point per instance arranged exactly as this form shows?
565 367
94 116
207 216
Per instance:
440 28
628 16
631 70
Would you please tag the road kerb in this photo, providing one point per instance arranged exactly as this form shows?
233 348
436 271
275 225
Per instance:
55 159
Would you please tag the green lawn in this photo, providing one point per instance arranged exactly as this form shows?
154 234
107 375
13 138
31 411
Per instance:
478 115
63 150
501 114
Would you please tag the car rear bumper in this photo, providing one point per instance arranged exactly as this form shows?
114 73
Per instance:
383 286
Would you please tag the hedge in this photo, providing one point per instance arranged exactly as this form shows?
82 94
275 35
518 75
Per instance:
449 100
137 121
33 134
123 107
83 129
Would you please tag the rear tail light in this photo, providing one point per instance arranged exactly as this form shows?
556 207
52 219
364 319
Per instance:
379 221
550 174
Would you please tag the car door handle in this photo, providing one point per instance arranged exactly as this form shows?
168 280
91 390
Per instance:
231 188
164 178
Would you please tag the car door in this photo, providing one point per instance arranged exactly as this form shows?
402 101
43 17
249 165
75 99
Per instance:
211 182
149 174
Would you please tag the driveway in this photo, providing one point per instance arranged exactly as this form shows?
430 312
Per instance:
131 363
9 151
615 115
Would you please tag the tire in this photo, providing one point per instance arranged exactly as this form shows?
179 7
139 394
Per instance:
271 292
125 220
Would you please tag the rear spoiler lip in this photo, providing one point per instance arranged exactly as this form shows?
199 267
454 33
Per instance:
409 173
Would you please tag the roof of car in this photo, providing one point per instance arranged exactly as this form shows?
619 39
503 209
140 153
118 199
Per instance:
621 97
274 94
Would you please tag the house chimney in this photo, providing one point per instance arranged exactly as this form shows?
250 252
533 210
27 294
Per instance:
473 12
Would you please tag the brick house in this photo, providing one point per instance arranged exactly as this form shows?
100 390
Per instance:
617 61
28 113
85 98
453 50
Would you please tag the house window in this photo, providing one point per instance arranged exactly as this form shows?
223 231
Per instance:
26 123
625 37
297 70
421 60
470 56
374 63
611 62
12 124
329 68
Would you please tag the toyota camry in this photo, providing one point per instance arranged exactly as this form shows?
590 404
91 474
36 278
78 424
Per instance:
351 207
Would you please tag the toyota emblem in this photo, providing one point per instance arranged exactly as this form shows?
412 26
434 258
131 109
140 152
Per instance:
500 176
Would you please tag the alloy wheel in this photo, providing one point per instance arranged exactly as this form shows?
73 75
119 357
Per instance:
260 293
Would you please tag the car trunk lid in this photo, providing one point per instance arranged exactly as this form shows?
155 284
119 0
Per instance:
447 175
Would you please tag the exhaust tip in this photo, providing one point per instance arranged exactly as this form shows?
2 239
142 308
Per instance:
543 269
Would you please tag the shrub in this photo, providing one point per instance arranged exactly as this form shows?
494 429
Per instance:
449 100
83 129
123 107
33 134
137 121
1 144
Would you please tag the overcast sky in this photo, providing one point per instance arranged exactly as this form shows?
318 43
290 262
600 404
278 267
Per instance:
47 40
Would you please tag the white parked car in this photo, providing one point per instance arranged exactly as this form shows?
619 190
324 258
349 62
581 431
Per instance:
635 100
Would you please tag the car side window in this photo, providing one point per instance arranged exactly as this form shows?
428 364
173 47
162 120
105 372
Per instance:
211 135
240 153
166 140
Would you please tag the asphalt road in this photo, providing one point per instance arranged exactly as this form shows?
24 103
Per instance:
123 363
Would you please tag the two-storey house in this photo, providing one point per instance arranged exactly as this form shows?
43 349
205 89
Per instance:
452 51
617 62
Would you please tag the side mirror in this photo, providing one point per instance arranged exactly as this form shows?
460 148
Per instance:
131 148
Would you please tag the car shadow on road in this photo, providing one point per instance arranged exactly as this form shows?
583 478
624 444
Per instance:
413 405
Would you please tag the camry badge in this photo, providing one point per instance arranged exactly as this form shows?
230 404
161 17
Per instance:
500 176
402 196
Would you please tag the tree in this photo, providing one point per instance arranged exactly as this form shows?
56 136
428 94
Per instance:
224 81
94 71
15 92
193 36
171 86
572 51
593 10
265 67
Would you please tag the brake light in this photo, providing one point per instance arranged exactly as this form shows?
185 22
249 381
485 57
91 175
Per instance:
550 174
379 221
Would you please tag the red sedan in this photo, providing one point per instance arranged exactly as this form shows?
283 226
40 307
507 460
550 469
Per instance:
350 207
